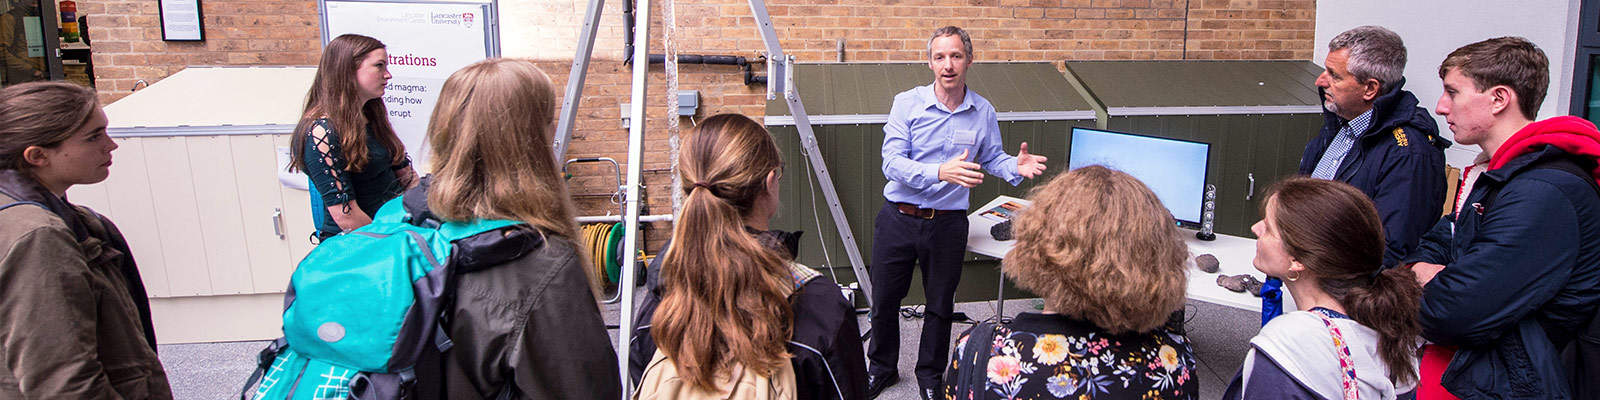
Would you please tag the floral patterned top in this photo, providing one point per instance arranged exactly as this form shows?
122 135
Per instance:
1052 356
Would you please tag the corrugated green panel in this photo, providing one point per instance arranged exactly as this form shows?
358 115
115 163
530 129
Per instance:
1056 97
852 154
844 82
869 88
1190 83
890 80
1267 147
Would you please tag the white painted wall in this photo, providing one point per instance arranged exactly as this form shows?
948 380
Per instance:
1433 28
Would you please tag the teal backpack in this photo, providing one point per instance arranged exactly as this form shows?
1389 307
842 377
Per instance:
362 308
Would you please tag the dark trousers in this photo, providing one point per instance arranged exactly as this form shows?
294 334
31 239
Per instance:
900 244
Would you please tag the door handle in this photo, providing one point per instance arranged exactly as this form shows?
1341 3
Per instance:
1252 192
277 223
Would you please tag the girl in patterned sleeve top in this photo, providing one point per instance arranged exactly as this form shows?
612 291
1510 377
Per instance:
344 142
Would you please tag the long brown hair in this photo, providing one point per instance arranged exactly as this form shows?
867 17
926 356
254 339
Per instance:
1334 230
334 95
40 114
1098 245
725 298
487 164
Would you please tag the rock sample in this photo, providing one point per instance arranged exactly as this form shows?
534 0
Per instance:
1207 263
1240 283
1001 231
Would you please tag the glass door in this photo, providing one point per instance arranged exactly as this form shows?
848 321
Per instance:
28 41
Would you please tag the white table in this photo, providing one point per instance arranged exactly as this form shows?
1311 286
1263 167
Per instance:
1233 253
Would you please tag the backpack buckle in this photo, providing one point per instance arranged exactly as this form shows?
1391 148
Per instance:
267 355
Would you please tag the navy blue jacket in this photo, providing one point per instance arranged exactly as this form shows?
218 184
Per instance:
1398 162
1523 277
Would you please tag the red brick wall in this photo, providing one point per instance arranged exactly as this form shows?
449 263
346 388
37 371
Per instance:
127 47
1019 30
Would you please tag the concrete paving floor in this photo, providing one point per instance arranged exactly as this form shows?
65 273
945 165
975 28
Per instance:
1220 336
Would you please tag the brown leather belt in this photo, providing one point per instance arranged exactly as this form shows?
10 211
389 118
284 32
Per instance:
924 213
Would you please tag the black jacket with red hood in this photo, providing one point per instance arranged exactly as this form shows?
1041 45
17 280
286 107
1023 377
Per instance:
1522 259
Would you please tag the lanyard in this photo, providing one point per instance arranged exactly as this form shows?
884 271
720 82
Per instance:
1345 363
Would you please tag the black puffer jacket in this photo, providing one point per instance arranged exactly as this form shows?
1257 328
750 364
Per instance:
828 358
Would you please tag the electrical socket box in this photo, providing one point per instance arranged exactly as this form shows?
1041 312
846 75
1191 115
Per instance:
688 105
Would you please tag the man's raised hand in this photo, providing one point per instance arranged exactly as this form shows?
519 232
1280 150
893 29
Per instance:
960 172
1029 165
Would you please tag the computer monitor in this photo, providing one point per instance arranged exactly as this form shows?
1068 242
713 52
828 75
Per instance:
1174 169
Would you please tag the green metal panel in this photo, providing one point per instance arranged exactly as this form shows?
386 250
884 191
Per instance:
1267 147
869 88
853 158
1200 83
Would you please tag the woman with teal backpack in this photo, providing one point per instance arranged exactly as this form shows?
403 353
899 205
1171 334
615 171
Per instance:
469 285
344 142
527 319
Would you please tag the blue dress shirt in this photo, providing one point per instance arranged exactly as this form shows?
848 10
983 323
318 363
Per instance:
922 134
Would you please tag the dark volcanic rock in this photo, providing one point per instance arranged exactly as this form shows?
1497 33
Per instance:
1207 263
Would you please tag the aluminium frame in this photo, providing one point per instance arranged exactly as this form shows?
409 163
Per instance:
780 81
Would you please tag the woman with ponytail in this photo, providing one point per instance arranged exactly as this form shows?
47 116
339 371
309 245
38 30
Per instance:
732 314
1355 334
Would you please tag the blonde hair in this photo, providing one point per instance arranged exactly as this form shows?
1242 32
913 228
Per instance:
1098 245
726 295
490 138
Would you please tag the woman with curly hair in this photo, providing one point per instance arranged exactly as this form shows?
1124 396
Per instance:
1103 252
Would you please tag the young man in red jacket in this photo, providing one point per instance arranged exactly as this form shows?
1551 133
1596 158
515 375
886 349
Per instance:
1513 275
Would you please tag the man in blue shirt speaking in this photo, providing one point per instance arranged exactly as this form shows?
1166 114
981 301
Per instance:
937 138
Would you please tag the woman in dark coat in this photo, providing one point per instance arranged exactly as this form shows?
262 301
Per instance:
74 318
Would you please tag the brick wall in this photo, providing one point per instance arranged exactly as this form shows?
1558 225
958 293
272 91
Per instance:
285 32
127 45
1018 30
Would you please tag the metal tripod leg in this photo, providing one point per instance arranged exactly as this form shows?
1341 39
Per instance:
780 79
580 70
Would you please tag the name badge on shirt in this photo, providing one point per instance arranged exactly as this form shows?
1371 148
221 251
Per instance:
965 137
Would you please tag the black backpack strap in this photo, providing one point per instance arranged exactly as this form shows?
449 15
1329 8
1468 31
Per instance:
1570 165
263 363
24 203
822 358
975 358
1567 164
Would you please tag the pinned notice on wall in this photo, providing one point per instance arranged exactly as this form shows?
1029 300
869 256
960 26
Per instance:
181 20
35 36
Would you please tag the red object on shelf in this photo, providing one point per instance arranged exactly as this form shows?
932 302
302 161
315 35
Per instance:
69 21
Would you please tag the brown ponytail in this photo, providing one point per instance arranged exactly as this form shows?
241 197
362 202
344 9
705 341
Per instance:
1389 305
1333 229
726 295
